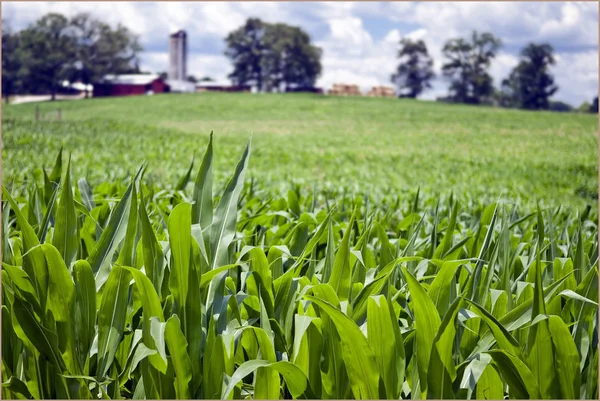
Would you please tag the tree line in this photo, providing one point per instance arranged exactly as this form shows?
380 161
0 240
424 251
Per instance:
273 57
530 85
55 48
278 56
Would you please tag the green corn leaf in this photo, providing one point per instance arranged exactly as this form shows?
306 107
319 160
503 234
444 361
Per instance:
111 317
503 338
446 243
223 226
60 302
101 256
151 309
34 262
202 209
521 382
151 249
85 308
539 352
442 370
341 274
180 238
66 235
182 366
566 359
427 324
182 183
387 344
295 379
359 359
29 329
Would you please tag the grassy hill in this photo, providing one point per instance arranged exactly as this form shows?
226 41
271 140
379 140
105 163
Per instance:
370 145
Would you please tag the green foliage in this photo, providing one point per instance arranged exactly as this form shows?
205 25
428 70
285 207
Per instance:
272 56
101 49
295 296
11 64
468 61
55 48
415 71
530 84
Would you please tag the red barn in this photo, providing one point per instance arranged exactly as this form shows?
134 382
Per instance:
130 85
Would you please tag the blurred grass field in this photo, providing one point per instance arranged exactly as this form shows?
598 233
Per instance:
362 145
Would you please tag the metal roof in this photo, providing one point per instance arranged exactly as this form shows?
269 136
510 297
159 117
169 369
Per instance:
208 84
130 79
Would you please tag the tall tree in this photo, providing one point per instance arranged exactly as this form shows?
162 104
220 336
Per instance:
415 71
101 50
245 48
467 67
594 106
272 56
48 49
11 62
530 83
290 61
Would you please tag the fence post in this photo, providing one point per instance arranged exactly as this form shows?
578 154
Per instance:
37 113
59 114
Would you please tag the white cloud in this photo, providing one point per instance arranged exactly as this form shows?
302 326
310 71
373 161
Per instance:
417 34
351 56
576 75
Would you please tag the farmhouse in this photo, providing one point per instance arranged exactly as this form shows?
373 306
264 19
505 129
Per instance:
129 85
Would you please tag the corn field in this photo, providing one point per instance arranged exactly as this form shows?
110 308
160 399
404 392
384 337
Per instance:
129 291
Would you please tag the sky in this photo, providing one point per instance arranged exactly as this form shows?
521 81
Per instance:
359 39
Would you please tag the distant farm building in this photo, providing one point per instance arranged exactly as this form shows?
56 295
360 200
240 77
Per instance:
177 76
130 85
345 90
178 86
76 88
178 56
221 86
381 91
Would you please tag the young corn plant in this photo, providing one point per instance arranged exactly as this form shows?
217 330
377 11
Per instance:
134 292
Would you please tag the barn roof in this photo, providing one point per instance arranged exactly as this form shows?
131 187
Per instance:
130 79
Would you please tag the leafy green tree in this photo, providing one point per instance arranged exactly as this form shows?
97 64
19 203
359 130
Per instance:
272 56
467 67
48 49
11 62
102 50
290 60
557 105
415 71
530 83
245 48
584 107
594 106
